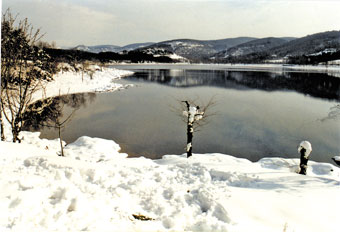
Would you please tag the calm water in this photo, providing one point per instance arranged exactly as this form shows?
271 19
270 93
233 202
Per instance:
257 114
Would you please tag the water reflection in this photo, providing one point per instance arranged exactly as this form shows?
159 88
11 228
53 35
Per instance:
250 124
319 85
44 113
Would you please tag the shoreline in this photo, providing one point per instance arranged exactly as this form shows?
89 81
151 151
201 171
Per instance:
237 67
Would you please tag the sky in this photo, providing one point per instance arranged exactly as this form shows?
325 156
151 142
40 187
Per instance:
122 22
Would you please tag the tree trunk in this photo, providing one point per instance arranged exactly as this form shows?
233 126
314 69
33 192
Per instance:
16 130
2 125
190 135
303 162
15 136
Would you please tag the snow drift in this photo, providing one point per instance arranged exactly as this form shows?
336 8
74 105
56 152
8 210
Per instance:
96 188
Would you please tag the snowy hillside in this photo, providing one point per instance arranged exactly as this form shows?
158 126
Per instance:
110 48
97 49
197 50
96 188
258 45
234 50
160 51
309 44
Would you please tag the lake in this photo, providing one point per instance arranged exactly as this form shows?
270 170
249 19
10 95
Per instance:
256 113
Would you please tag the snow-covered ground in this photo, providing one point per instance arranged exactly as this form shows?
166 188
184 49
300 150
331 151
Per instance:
96 188
78 82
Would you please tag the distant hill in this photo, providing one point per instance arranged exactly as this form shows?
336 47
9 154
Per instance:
308 44
134 46
257 45
310 49
195 50
96 49
110 48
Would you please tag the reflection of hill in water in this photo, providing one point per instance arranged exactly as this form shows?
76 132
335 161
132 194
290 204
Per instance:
315 84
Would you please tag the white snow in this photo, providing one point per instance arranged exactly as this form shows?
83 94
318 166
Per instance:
334 62
188 147
192 112
177 57
96 188
78 82
325 51
337 158
307 146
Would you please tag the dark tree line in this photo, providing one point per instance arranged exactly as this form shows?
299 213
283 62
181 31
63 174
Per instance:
263 57
70 56
252 58
314 59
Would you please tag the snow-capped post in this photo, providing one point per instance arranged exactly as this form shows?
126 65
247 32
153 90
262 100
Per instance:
193 115
305 148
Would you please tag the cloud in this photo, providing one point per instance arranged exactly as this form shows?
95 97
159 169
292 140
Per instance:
64 22
120 22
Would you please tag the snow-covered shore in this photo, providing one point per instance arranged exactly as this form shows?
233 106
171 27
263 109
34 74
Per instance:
242 67
78 82
96 188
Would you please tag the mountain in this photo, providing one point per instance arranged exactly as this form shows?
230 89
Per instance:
97 48
310 49
308 45
257 45
195 50
110 48
134 46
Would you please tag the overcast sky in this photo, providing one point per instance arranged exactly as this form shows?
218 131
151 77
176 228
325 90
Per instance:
121 22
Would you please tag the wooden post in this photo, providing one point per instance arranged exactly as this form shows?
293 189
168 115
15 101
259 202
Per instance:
305 148
303 162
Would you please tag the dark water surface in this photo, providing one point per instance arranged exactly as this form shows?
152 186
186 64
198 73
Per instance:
257 114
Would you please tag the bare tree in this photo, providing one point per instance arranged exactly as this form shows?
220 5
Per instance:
195 117
49 113
61 125
24 70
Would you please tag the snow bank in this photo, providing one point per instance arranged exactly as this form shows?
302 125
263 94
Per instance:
78 82
95 188
93 149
